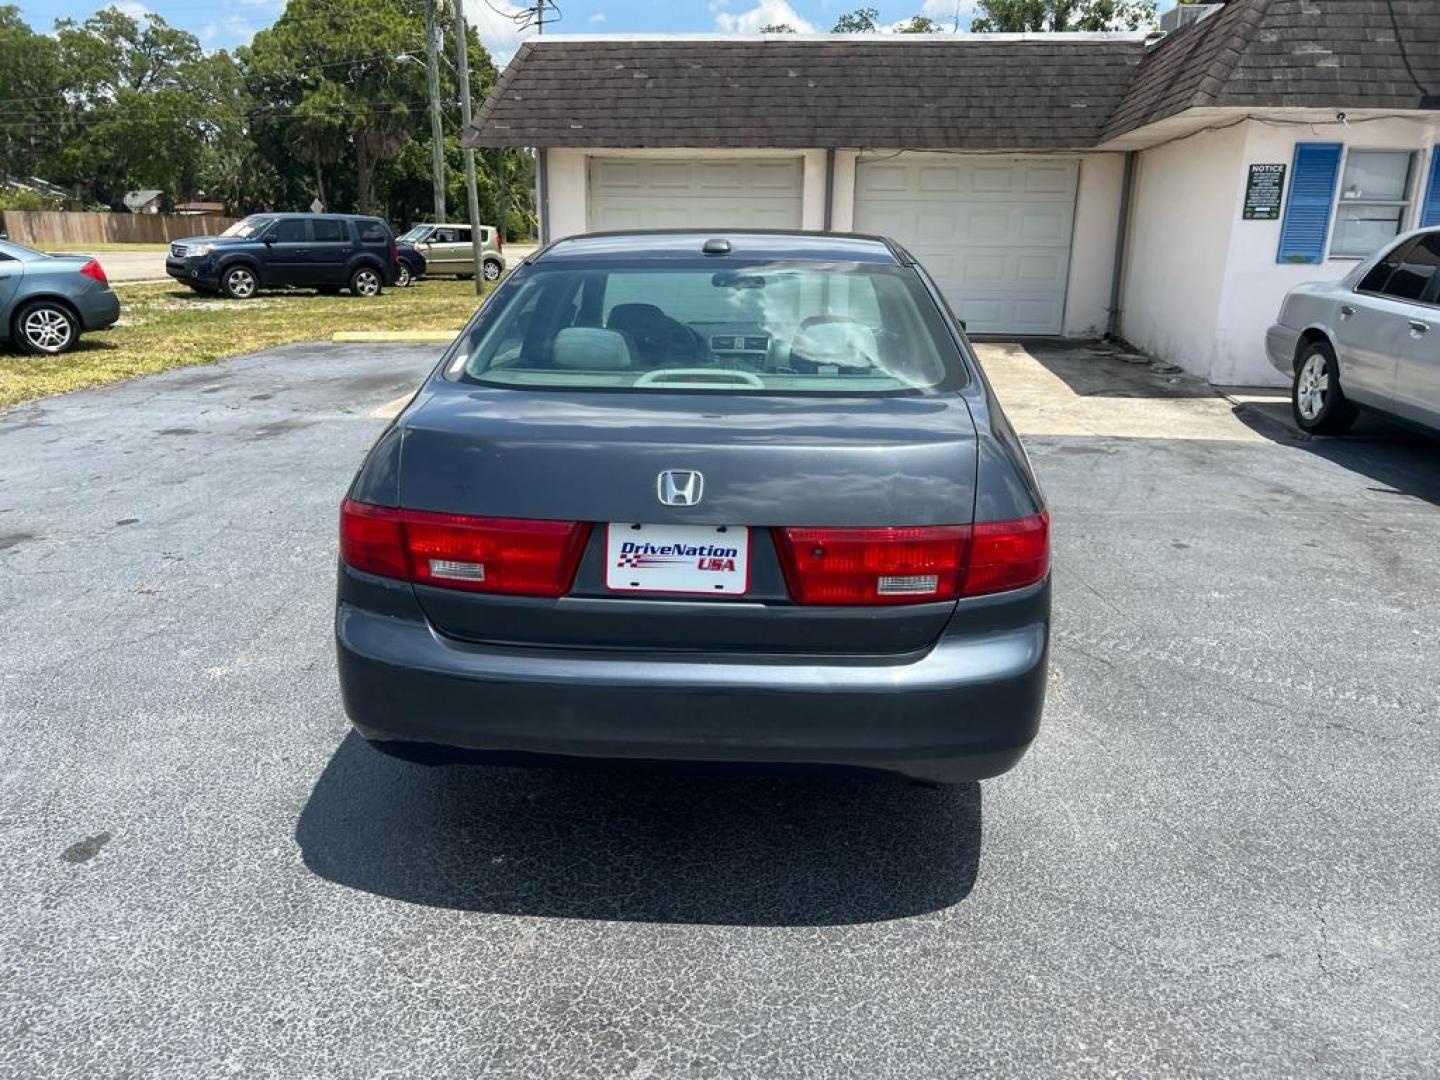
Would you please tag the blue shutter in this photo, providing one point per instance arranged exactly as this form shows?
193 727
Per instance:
1430 208
1307 212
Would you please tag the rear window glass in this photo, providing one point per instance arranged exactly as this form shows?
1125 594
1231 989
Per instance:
769 328
330 231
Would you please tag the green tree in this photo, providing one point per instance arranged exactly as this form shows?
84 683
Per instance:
323 66
920 24
133 117
31 109
865 20
1019 16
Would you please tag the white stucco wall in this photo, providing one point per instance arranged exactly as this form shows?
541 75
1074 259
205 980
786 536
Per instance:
565 170
1092 247
1182 206
1202 284
1254 283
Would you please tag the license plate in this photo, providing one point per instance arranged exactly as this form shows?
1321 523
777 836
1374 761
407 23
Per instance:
702 560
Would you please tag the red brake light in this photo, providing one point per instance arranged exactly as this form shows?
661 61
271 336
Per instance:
873 566
1007 554
394 253
457 551
95 272
913 565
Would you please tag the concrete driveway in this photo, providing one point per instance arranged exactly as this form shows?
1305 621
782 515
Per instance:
1219 860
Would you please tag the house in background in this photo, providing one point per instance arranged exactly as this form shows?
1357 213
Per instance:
144 201
1168 190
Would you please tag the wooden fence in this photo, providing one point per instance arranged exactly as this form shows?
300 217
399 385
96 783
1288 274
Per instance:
43 228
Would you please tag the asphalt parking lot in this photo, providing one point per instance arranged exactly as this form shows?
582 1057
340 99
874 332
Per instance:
1219 859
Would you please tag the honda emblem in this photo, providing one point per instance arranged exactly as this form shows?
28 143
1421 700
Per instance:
680 487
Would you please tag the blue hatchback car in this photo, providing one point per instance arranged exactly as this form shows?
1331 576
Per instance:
741 497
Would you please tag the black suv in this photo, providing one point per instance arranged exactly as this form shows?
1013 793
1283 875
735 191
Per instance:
324 251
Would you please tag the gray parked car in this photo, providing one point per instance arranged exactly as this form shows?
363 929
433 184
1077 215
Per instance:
47 301
448 249
745 498
1371 339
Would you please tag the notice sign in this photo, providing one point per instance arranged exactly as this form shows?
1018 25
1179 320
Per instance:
1262 192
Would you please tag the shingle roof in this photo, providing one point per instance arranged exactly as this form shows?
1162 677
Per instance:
1353 54
828 92
978 92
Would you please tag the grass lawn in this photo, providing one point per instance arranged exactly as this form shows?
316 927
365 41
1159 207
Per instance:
166 326
91 249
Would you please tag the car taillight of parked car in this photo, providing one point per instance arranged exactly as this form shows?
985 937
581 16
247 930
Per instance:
516 556
862 567
849 567
394 254
95 272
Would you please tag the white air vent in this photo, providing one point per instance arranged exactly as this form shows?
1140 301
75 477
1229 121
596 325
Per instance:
1185 14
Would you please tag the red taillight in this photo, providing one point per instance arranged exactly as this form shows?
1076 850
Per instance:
95 272
456 551
873 566
913 565
394 254
1007 554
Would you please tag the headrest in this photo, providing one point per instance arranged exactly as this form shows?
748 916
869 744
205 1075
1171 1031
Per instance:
843 344
589 348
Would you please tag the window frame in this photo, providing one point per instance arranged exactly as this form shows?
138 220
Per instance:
272 234
1430 298
1407 205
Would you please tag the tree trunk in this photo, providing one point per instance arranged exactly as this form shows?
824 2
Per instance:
320 181
364 175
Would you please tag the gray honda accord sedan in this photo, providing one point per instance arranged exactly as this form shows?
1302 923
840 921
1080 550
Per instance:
742 498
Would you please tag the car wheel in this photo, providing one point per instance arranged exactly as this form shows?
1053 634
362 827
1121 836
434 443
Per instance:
239 283
492 270
45 328
1317 402
403 278
365 282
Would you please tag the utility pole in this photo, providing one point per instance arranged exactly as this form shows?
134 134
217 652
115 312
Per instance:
462 65
437 132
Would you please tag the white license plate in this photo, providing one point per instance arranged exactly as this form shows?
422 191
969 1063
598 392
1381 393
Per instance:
708 560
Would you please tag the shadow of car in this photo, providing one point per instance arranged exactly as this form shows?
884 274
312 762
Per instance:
641 842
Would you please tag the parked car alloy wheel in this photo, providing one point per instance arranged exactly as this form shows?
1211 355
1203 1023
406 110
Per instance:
239 283
403 278
492 270
1317 402
46 328
365 282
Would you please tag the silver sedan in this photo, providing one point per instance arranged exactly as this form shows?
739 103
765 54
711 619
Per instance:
47 301
1371 339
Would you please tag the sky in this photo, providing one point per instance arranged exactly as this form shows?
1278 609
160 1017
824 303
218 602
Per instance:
234 22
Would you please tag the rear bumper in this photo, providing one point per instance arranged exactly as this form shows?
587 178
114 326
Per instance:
98 309
1280 344
966 709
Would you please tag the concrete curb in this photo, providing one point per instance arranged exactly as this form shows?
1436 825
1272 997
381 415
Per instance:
411 336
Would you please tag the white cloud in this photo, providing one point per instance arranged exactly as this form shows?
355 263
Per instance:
138 12
765 13
228 32
493 22
597 18
947 11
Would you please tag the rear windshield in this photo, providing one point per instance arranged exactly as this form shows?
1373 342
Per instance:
766 327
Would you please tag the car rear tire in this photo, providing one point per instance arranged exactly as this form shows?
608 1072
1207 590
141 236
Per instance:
403 278
46 328
492 270
1317 403
239 283
366 282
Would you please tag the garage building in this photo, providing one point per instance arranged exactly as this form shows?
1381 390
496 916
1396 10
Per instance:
1168 188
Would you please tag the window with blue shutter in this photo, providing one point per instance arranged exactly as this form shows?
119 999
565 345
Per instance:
1430 208
1307 211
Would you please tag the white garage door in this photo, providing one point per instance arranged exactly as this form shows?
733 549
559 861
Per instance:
994 234
702 193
